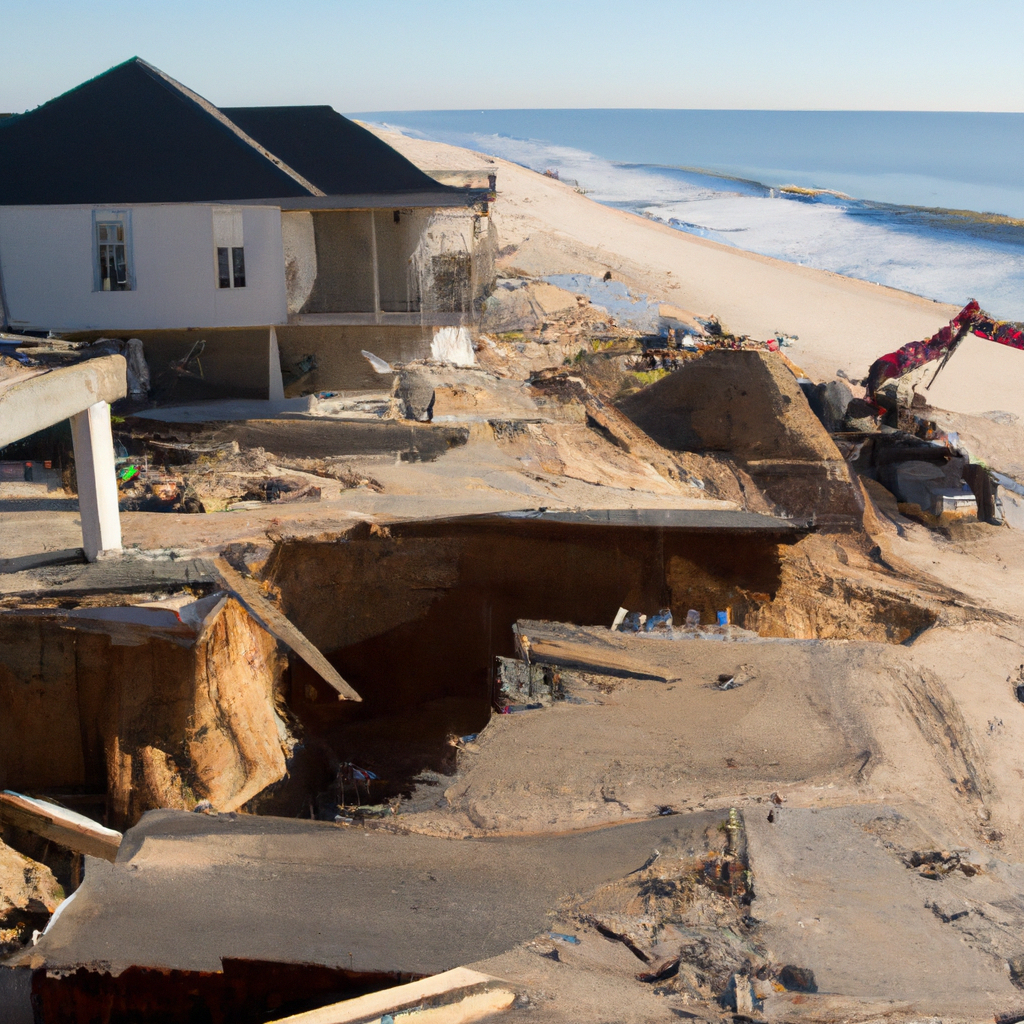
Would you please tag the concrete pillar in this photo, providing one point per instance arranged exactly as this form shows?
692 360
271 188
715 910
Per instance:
97 480
275 392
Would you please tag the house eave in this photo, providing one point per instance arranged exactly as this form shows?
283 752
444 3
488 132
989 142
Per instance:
374 201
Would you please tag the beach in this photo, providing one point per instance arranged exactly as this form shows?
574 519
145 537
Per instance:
547 227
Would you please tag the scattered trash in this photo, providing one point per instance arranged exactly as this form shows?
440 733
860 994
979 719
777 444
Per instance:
739 995
723 618
514 709
572 940
662 620
693 617
619 616
726 681
935 864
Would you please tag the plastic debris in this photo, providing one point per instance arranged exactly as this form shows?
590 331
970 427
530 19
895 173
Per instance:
662 620
380 365
559 937
452 345
693 617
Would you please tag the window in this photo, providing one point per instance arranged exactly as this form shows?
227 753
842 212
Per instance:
230 266
112 267
229 252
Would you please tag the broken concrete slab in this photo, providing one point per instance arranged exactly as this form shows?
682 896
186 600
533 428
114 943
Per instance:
183 894
324 438
124 575
834 897
810 719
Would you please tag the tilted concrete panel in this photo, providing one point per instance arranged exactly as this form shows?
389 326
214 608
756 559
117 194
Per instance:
42 401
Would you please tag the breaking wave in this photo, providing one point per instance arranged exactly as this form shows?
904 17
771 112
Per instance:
940 254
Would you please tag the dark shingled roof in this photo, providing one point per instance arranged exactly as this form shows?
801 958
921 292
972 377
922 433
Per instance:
337 155
134 135
131 135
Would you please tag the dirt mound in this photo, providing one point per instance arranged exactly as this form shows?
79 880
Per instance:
745 403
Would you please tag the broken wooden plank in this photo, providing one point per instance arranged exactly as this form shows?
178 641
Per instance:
452 997
277 623
61 826
588 657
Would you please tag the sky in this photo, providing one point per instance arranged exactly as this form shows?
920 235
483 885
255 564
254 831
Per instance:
405 55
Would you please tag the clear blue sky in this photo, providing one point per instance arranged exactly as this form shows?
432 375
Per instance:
402 55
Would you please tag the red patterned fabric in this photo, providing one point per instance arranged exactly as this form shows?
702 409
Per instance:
970 320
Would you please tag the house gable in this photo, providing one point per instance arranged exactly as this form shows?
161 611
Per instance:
133 135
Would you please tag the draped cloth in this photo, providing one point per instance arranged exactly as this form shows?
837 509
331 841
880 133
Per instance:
941 345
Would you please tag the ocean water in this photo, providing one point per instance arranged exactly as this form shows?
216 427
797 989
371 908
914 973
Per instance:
885 183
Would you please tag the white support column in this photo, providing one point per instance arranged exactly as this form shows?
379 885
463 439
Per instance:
275 392
97 480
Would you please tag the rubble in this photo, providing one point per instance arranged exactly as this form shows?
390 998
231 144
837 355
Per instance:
411 651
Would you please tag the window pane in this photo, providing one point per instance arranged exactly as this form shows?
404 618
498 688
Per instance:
112 256
223 272
238 266
120 267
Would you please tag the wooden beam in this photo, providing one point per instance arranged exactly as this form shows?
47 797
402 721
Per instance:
452 997
277 623
61 826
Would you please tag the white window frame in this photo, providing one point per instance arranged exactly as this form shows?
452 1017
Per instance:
228 237
103 218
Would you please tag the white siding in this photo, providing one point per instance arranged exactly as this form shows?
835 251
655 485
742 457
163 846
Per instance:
46 267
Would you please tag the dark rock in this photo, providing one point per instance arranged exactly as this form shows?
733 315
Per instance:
416 393
797 979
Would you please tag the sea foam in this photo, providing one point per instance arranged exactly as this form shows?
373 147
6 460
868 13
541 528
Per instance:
931 253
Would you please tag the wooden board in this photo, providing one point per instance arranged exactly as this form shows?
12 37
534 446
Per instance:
277 623
75 835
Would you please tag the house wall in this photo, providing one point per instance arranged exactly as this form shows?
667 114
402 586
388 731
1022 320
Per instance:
337 354
344 262
299 256
397 241
47 257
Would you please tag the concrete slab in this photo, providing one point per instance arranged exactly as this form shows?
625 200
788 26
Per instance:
189 889
834 899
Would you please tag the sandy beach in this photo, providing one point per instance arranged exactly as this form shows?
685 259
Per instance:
547 227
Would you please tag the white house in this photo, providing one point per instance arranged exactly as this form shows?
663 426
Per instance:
130 206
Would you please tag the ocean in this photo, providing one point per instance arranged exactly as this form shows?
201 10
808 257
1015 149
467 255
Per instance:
876 190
